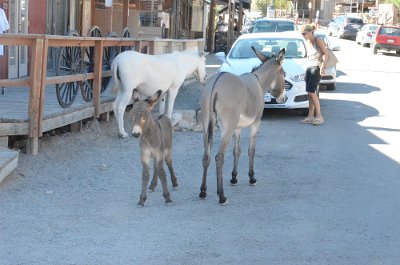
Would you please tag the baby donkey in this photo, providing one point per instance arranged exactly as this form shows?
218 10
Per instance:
155 143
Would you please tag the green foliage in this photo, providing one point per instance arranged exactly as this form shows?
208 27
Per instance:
395 2
261 5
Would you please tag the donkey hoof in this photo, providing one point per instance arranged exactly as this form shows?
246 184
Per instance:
203 195
234 181
123 135
253 182
168 201
223 201
174 185
152 187
140 204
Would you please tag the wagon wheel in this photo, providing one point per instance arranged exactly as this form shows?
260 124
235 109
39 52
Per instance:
87 86
69 63
109 54
126 34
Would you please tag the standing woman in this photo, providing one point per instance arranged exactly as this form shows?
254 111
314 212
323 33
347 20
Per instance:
317 54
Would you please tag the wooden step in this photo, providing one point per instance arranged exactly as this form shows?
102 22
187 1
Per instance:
8 162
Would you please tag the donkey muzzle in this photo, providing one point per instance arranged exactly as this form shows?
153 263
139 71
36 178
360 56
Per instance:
136 134
281 99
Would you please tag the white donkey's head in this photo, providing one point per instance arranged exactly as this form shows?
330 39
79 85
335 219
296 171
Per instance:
200 71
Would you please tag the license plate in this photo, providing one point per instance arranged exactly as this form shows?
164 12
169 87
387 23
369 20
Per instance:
267 97
390 41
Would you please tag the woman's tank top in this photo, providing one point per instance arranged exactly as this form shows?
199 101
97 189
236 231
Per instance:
313 54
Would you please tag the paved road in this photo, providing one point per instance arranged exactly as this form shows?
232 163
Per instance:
325 195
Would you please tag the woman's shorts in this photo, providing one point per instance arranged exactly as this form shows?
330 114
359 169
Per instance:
312 78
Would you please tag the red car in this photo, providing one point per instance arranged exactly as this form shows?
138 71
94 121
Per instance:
387 38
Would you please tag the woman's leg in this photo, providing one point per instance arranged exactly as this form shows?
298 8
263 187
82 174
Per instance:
311 105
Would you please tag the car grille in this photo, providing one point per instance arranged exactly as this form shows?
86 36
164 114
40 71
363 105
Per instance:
288 85
326 77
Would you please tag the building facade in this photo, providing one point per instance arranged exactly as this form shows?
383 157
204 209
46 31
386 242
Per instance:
144 19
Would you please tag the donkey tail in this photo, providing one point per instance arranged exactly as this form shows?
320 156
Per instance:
213 118
115 79
212 121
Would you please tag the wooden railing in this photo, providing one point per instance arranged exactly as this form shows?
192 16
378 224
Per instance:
37 79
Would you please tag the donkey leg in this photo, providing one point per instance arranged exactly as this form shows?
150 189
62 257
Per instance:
219 159
163 178
153 183
172 93
252 151
145 180
168 161
120 106
208 128
236 155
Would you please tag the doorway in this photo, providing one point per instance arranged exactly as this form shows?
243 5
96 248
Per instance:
18 55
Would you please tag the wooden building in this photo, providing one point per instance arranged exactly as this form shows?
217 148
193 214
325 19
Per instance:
176 19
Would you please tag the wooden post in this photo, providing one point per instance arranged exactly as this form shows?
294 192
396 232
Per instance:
98 66
43 85
34 96
125 13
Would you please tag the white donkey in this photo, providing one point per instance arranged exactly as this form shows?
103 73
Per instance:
150 73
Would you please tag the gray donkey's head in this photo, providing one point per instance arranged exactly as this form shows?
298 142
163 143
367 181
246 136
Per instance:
141 112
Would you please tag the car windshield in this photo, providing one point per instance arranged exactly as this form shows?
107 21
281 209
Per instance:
390 31
273 26
295 48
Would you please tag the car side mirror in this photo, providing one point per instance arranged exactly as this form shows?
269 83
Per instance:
221 56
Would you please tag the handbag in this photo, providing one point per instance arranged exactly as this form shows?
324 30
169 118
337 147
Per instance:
332 59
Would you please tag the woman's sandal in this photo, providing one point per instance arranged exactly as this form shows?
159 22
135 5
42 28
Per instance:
318 121
307 120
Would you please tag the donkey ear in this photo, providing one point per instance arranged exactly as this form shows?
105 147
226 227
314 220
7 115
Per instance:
154 98
260 56
135 96
203 54
281 56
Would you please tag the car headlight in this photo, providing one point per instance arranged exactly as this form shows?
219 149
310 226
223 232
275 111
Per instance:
298 78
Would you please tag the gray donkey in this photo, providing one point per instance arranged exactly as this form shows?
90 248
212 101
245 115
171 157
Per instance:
155 143
237 102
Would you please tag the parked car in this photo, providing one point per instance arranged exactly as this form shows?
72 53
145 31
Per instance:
365 34
246 26
386 38
272 25
241 59
345 27
329 79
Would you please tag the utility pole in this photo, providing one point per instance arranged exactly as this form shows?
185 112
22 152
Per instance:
211 27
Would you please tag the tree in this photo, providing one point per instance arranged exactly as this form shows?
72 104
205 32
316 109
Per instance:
261 5
395 2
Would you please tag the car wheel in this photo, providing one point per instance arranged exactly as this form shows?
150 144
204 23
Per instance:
398 52
363 43
374 50
331 86
304 112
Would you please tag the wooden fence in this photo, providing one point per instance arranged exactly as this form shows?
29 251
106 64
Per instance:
38 79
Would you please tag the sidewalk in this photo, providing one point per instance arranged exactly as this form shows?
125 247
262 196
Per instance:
212 64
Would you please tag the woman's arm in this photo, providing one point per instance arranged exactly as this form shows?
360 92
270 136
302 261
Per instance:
324 51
